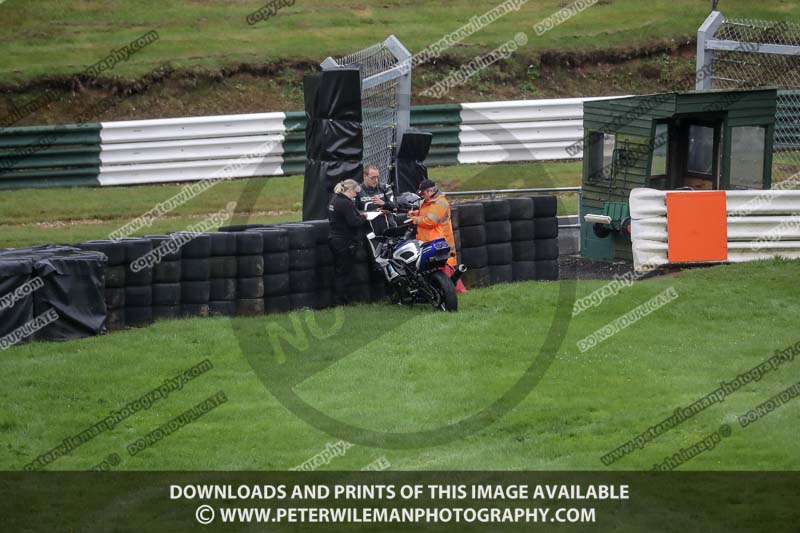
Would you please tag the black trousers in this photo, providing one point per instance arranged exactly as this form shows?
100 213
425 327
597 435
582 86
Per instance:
343 256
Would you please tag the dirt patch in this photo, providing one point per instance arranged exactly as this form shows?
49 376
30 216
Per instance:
278 85
580 268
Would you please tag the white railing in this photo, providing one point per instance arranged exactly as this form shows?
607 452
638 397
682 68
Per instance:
759 225
181 149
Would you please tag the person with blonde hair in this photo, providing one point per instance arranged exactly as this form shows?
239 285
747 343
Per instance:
345 221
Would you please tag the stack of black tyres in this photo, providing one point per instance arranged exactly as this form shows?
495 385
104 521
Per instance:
521 215
472 234
361 277
223 265
324 263
114 273
496 214
302 265
250 273
377 283
240 227
454 221
545 211
195 274
138 283
166 288
277 287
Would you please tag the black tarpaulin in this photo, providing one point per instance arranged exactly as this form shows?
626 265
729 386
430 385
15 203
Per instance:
411 169
16 300
73 288
68 281
334 136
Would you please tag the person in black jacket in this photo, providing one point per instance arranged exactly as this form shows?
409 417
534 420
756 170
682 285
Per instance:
374 196
346 222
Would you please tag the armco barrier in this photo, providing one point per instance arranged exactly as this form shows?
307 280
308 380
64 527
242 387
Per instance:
749 226
269 144
49 156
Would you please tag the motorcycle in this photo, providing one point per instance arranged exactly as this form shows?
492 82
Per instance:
412 268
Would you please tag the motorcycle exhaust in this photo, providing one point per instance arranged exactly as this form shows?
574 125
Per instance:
460 269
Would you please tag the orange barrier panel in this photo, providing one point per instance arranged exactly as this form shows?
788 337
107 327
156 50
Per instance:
697 226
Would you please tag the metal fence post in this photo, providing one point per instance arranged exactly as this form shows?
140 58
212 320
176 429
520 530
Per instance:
705 56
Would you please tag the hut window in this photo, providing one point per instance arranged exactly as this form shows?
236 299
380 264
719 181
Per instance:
747 157
601 155
659 163
701 149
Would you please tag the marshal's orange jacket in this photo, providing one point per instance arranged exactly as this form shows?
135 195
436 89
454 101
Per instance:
433 222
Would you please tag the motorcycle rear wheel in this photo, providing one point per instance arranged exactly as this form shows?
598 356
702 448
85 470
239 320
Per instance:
446 291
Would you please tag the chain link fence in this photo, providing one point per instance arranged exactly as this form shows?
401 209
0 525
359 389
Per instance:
380 105
746 67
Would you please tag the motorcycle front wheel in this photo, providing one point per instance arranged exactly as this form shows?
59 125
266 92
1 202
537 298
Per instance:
446 300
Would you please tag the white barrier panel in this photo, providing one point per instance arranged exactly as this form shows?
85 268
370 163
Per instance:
504 153
647 203
192 149
525 110
760 225
754 228
646 252
190 170
762 202
172 129
521 132
649 229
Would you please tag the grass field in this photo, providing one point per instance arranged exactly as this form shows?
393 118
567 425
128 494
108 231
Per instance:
70 215
51 37
427 371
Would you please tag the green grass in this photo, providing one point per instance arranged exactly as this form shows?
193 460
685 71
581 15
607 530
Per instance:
50 37
428 370
69 215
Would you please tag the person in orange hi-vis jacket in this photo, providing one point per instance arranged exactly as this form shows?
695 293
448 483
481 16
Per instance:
433 222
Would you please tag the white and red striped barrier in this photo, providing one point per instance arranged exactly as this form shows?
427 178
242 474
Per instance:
713 226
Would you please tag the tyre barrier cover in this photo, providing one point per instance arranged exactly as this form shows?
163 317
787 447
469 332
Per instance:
73 289
16 293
